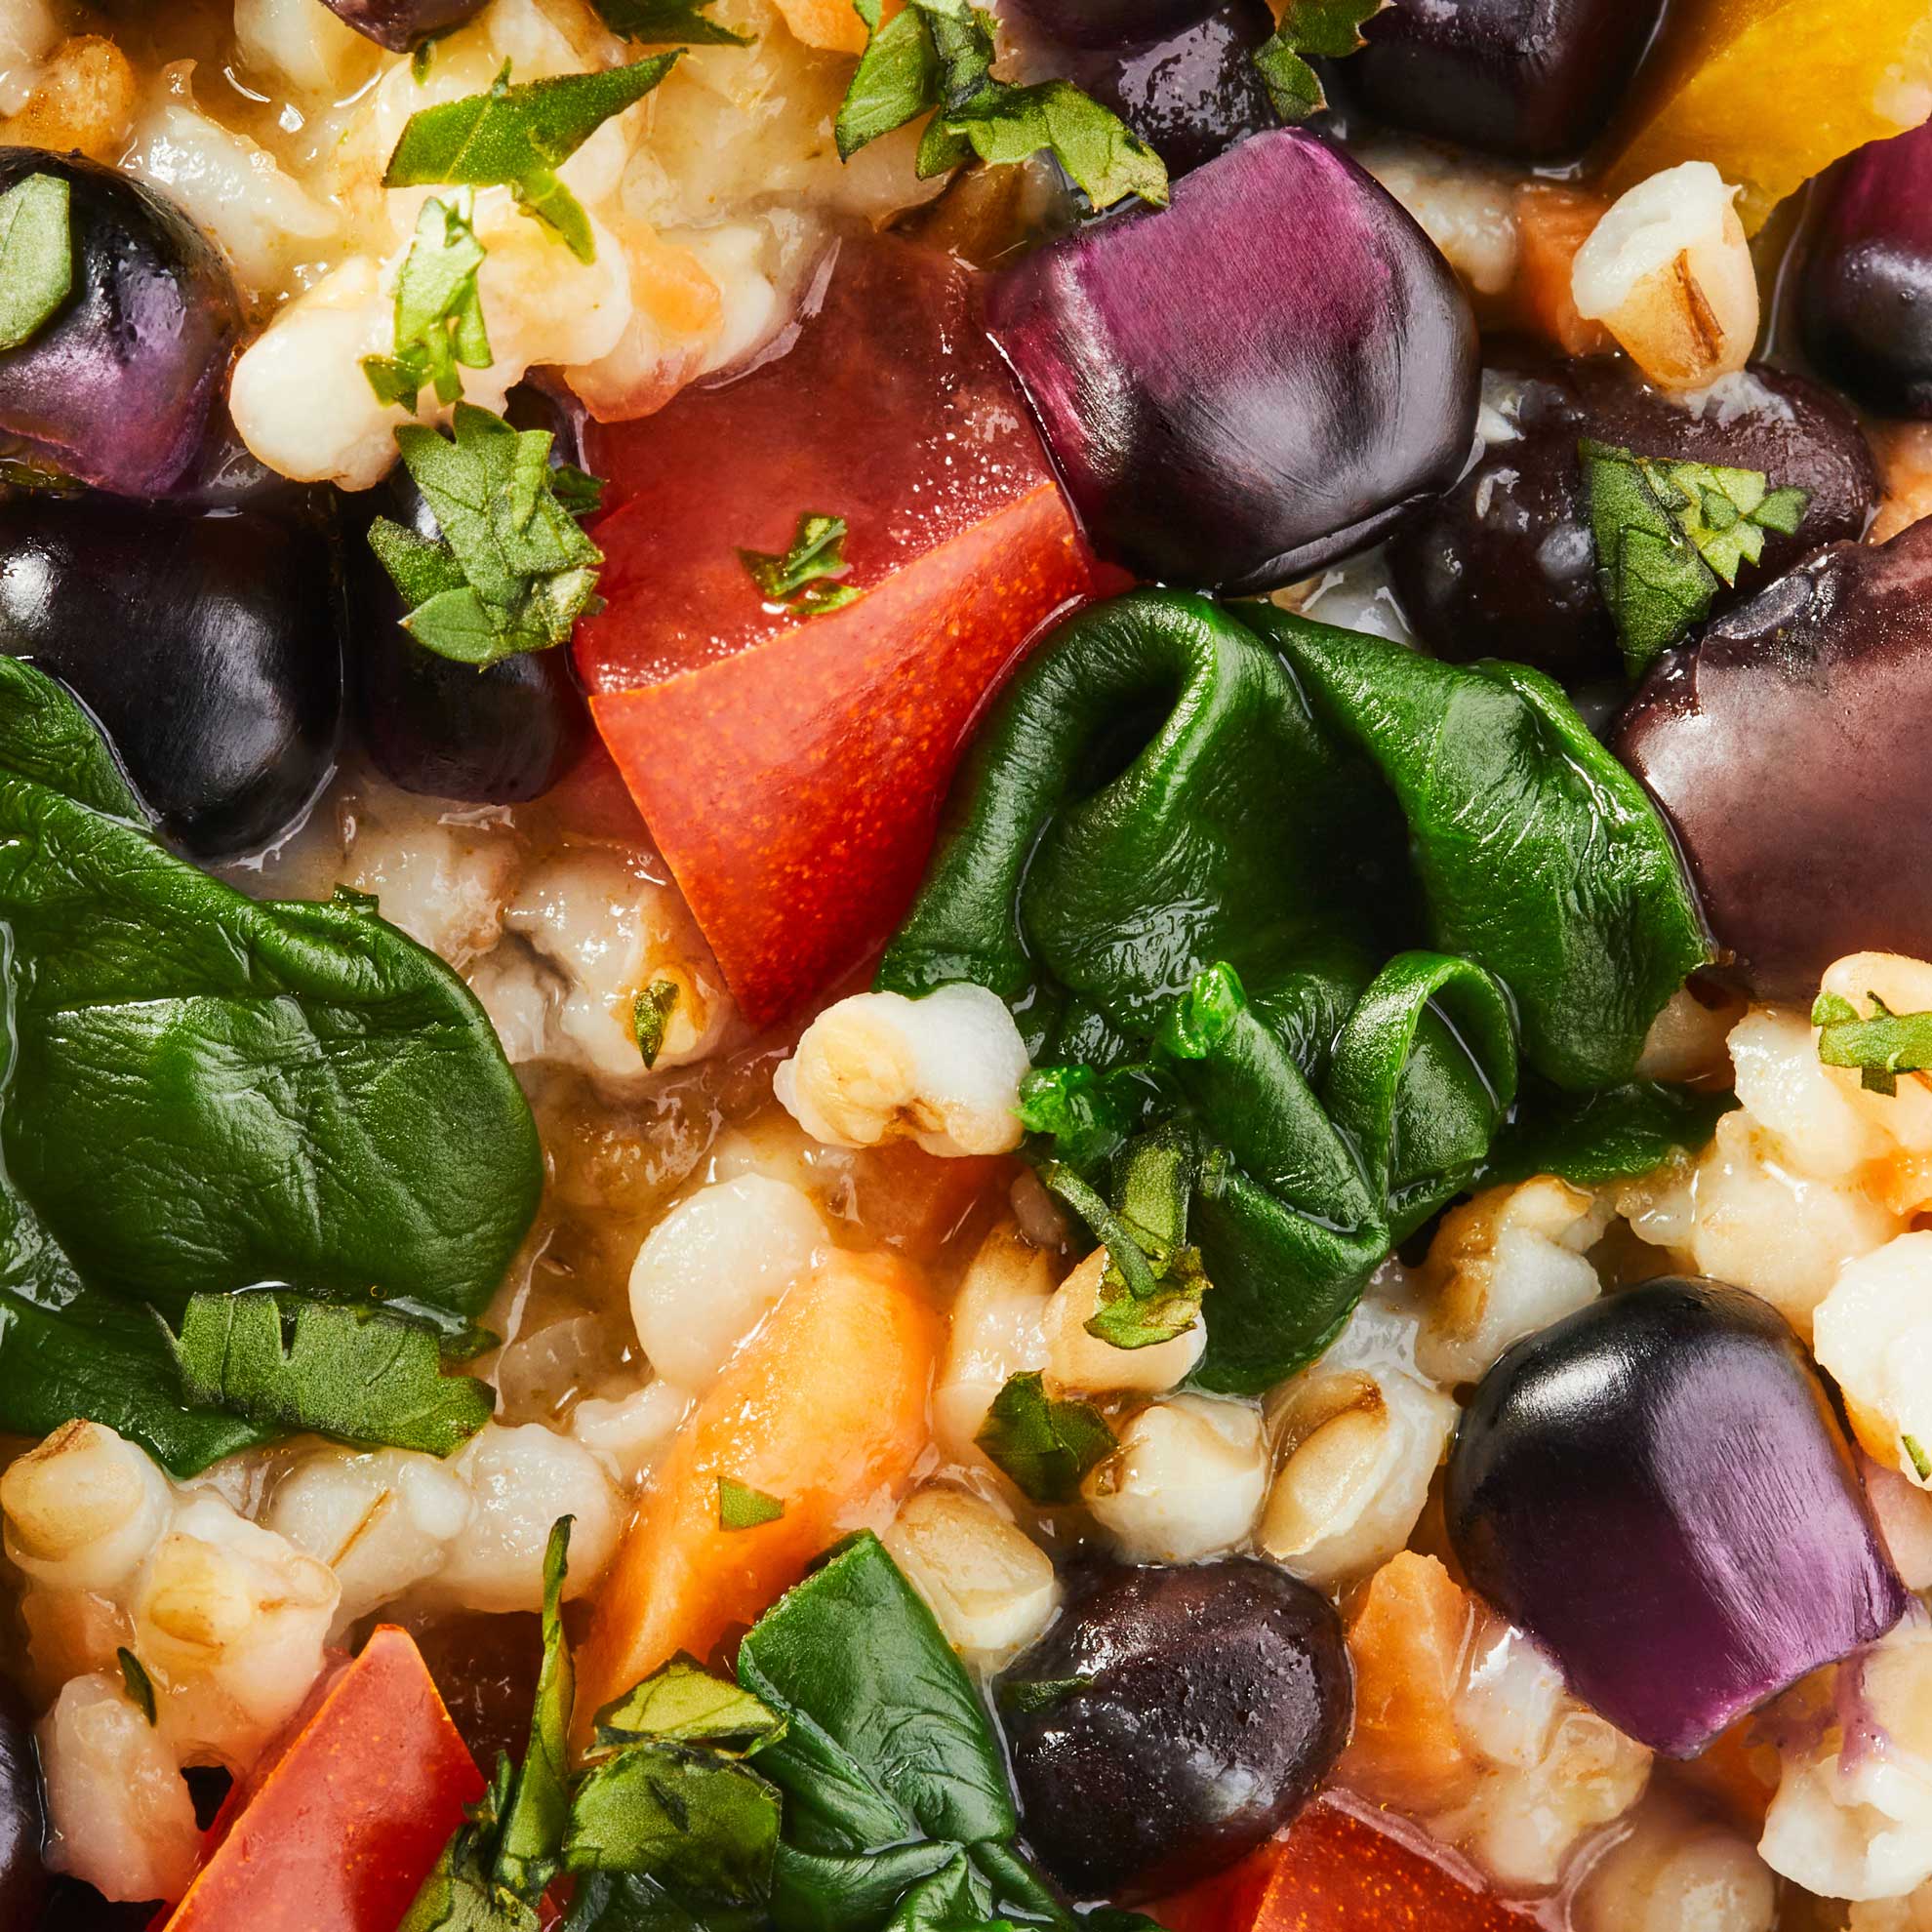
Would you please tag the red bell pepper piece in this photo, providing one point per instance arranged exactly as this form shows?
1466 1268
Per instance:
791 767
1337 1871
339 1830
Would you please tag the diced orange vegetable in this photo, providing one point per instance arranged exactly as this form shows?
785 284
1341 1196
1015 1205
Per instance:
831 23
1772 92
824 1409
1553 220
791 767
1406 1641
915 1201
1739 1771
341 1828
1335 1871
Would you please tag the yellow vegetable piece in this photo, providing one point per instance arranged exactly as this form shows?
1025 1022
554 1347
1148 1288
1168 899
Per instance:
1772 92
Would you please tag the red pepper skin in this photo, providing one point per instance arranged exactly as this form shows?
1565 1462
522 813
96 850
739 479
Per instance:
341 1829
791 768
1335 1870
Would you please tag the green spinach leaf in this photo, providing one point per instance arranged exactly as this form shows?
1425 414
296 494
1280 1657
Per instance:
36 256
668 23
1045 1444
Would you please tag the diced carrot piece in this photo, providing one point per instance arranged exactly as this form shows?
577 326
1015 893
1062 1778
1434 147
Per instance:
1553 220
915 1201
344 1824
1335 1871
831 23
1406 1640
1738 1770
825 1410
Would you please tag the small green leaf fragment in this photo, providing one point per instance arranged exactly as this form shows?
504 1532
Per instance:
741 1507
140 1686
668 23
1920 1461
36 256
1108 161
803 579
438 311
1330 29
1882 1047
1078 1109
650 1015
1027 1698
1045 1446
895 80
684 1702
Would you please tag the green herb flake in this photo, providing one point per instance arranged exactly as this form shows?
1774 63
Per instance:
1078 1109
357 1375
140 1686
1027 1698
36 256
1882 1047
1668 534
1328 29
460 1894
1920 1461
650 1015
668 23
683 1703
1045 1446
803 579
935 56
517 136
439 313
513 570
741 1507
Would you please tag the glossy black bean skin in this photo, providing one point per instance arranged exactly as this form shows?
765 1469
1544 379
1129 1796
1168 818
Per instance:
1198 1681
1536 80
208 647
1504 564
72 1907
1109 24
497 736
23 1814
1865 298
1782 749
116 386
1189 92
401 25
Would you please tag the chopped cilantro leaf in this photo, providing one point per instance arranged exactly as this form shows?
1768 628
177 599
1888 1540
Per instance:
36 255
1882 1047
741 1508
439 313
1330 29
513 571
668 23
1045 1446
517 136
803 580
1667 534
935 57
140 1686
649 1014
358 1375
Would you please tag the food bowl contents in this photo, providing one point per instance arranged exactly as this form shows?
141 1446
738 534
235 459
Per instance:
962 968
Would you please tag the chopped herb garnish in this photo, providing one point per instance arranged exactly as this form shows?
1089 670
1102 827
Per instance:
1882 1047
517 136
513 570
1079 1110
935 56
803 580
1669 534
649 1014
140 1686
1045 1446
36 255
668 23
741 1507
683 1702
439 313
1328 29
1920 1461
1026 1699
357 1375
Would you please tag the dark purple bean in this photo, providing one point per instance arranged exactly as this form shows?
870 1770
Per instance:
1111 22
1865 298
402 25
1784 749
208 647
1189 94
1504 564
496 737
1533 79
116 387
22 1813
1206 1705
1655 1489
1264 377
